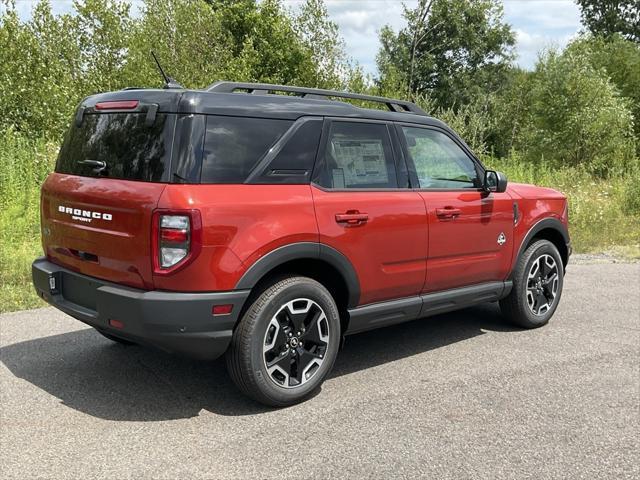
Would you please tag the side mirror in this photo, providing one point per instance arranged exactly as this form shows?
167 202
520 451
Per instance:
494 181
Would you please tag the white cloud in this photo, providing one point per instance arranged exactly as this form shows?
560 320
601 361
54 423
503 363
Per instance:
529 45
543 15
538 23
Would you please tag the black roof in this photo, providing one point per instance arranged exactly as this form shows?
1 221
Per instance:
260 103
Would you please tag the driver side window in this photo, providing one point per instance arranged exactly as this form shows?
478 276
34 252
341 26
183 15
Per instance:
439 161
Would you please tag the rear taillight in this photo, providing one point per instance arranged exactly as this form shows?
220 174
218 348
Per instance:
176 239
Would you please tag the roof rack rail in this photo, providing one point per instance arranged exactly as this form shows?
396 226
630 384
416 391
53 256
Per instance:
315 93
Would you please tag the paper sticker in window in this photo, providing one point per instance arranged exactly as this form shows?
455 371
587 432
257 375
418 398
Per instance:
362 161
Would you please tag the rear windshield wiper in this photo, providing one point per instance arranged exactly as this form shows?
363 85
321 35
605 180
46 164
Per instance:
98 165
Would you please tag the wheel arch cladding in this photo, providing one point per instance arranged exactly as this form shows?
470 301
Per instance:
550 229
320 262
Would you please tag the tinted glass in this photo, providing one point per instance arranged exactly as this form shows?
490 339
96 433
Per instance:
130 149
357 155
187 147
234 145
294 162
439 161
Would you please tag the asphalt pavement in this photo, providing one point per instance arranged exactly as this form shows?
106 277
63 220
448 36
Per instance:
462 395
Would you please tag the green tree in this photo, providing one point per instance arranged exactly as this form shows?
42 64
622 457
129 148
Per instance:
620 59
321 37
511 113
101 29
451 49
608 17
577 116
189 40
265 41
39 65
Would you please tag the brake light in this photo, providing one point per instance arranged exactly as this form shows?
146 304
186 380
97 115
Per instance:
176 239
117 105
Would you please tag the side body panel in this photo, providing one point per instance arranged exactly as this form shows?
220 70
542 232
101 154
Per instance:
467 249
241 223
534 205
389 250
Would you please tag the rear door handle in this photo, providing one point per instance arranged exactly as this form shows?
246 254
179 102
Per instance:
447 213
352 218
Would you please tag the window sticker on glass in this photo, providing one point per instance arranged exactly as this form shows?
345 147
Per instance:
362 161
338 178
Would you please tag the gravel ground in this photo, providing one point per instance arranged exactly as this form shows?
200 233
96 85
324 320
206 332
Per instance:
594 258
461 395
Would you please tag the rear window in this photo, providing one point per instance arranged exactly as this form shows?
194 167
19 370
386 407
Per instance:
234 145
129 149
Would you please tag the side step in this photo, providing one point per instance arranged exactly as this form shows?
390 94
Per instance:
383 314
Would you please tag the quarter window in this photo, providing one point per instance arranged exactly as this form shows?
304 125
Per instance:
357 155
294 162
234 145
439 161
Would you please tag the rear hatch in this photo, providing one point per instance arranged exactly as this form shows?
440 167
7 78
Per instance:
111 171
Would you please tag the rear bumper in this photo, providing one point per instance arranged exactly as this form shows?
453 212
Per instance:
175 322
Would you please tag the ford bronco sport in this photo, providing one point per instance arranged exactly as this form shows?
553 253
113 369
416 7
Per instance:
266 222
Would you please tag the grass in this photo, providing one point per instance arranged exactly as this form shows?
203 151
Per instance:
599 210
23 166
603 213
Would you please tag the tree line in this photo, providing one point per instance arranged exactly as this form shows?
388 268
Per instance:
578 107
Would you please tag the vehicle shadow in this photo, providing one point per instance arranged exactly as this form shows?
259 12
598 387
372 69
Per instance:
129 383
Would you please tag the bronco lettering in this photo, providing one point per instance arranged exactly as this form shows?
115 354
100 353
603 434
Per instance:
84 215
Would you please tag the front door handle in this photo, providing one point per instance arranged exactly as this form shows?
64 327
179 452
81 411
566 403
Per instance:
352 218
447 213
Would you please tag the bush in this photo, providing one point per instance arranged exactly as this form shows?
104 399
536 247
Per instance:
24 164
631 200
578 118
599 218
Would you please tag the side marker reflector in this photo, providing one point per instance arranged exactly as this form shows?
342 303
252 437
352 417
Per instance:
116 323
222 309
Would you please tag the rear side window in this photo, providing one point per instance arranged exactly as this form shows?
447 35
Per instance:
128 148
234 145
357 155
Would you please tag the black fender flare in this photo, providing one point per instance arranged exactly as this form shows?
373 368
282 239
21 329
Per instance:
302 251
544 224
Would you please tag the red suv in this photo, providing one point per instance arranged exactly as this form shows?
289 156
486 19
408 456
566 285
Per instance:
267 222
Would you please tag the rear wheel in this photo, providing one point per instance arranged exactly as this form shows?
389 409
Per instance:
537 286
286 342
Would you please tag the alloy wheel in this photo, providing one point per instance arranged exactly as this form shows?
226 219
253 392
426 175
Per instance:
542 284
295 343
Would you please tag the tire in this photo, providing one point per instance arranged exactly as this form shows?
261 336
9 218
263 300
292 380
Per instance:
286 342
534 285
121 341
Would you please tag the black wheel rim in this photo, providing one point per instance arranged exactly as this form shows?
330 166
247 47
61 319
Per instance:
543 281
295 343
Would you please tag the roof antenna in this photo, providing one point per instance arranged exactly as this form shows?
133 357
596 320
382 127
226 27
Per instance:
168 81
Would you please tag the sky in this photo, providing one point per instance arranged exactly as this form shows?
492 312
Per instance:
538 24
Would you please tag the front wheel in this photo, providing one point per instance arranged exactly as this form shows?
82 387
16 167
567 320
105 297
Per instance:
286 342
537 286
